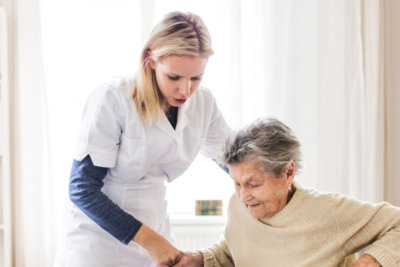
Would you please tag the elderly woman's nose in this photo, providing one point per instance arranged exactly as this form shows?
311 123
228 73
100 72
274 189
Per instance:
244 194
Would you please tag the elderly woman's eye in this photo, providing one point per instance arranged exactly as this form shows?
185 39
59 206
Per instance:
253 185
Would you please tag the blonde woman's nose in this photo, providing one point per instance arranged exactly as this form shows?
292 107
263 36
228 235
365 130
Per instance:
185 87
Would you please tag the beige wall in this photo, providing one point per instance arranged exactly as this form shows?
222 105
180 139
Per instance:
392 84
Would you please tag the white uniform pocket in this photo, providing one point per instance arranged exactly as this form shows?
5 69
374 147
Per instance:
130 165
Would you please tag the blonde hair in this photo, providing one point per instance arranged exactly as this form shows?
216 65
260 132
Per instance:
179 34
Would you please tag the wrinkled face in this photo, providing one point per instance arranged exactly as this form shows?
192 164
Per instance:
178 77
264 194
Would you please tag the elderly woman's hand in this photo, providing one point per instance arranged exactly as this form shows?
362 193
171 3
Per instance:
190 259
366 260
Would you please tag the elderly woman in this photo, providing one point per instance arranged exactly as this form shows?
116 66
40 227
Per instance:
274 221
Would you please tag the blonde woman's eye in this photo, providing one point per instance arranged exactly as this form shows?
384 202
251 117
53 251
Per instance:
173 78
196 78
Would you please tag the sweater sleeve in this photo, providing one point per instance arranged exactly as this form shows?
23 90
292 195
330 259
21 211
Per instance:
386 247
85 192
217 256
376 225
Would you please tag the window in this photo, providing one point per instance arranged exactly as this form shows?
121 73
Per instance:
86 42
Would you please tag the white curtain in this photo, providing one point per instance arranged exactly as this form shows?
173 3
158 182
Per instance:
32 184
350 96
326 68
322 74
348 100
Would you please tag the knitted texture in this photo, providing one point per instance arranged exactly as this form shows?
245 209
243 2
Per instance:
313 229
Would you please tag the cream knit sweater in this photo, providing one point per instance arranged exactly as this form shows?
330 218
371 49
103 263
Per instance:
314 229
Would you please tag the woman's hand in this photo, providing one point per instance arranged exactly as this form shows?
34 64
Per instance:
190 259
366 260
158 247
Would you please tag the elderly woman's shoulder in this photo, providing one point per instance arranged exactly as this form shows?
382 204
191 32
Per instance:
340 200
315 193
324 194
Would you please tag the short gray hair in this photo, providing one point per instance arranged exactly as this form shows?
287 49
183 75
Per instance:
268 141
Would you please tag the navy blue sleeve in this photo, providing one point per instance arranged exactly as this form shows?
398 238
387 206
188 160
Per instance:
222 166
85 192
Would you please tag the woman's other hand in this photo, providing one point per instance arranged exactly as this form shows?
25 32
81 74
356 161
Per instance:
158 247
190 259
366 260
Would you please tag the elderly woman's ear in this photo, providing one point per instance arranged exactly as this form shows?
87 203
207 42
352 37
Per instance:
290 173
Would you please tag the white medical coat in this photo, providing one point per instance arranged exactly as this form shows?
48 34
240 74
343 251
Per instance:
140 159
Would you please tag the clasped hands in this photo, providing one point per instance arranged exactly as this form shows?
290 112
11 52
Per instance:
163 253
184 259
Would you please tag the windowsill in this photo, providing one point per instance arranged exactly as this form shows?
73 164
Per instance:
193 220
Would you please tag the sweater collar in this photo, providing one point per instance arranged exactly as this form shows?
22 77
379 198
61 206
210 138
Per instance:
289 209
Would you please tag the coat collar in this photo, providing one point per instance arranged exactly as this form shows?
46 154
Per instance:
165 125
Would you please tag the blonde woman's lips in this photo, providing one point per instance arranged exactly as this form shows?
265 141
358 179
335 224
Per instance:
180 101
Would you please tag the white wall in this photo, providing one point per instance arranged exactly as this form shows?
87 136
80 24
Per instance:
392 84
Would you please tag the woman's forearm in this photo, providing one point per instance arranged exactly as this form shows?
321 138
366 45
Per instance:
85 192
158 247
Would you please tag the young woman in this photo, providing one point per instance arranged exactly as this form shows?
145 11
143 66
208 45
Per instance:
137 133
